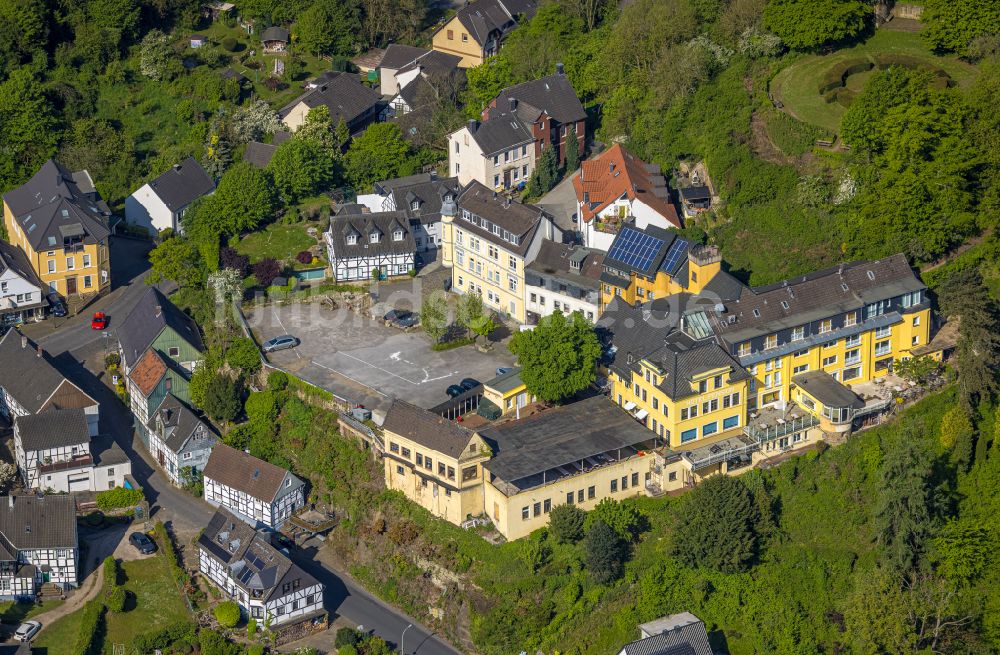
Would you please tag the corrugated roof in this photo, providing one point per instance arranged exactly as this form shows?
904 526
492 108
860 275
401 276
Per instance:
426 428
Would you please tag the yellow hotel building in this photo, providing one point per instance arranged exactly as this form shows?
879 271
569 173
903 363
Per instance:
60 223
487 244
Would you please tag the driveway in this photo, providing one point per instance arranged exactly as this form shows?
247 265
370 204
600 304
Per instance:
366 362
561 203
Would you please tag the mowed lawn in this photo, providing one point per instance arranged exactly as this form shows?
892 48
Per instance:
155 602
277 241
797 85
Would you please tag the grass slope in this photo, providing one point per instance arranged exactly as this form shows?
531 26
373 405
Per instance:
796 85
277 240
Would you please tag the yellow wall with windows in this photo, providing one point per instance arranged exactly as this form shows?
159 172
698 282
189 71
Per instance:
454 39
453 492
643 289
90 264
507 512
494 272
678 416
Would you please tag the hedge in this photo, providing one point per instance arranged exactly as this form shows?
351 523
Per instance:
111 572
164 637
837 76
118 497
166 545
90 623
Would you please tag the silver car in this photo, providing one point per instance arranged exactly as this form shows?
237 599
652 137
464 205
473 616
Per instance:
280 343
27 630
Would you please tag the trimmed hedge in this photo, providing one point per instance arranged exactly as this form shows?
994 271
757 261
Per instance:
118 497
165 637
166 545
837 76
90 623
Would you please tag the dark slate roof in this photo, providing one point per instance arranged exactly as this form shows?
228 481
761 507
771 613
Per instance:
14 259
411 92
398 55
53 203
107 452
274 34
501 132
244 472
428 192
230 74
824 388
345 96
516 218
145 323
692 193
560 436
362 225
259 154
434 62
38 378
656 332
32 522
180 423
554 259
679 634
426 428
182 184
552 94
251 560
485 17
54 428
814 297
724 286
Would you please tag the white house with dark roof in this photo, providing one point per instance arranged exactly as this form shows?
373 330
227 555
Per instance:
677 634
22 294
498 153
360 245
424 197
346 97
39 386
563 278
38 545
247 568
179 441
258 492
162 203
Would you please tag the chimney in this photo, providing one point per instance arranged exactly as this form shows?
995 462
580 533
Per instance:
434 175
24 342
159 309
473 125
177 167
559 69
39 353
10 501
513 103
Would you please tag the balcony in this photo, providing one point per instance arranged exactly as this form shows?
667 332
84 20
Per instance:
78 462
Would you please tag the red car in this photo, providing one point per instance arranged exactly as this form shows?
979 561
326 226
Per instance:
100 321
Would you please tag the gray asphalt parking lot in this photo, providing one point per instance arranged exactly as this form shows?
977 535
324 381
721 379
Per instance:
366 362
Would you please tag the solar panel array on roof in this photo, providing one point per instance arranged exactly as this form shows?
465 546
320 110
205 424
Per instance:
675 256
247 574
635 249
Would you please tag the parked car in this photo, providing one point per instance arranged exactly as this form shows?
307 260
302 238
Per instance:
502 371
455 390
141 543
401 318
469 383
100 321
27 630
56 306
280 343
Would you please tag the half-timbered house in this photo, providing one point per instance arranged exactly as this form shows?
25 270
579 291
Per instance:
38 544
179 441
362 246
258 492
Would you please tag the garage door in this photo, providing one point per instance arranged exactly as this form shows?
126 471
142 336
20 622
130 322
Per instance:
79 484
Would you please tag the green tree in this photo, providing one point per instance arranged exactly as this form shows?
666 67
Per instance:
227 613
24 30
28 127
605 552
620 516
916 369
484 82
223 398
715 526
381 153
809 24
434 316
566 523
904 507
557 358
244 199
956 435
471 315
243 355
155 56
329 27
977 352
217 155
545 175
951 25
301 168
572 150
962 550
318 127
176 259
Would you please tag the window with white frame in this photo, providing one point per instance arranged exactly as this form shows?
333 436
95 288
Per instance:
373 237
799 333
397 235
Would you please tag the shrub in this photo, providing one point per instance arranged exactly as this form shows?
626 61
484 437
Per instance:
227 614
164 637
118 497
605 552
347 637
266 270
166 545
566 523
111 572
229 43
304 257
230 258
252 629
116 600
277 381
255 649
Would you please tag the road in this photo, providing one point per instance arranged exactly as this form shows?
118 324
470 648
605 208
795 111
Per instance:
79 351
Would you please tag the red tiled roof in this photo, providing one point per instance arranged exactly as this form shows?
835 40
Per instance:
614 173
148 372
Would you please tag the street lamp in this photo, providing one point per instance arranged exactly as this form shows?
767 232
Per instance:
402 637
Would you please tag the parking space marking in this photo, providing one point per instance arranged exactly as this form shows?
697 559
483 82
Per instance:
379 368
282 325
341 374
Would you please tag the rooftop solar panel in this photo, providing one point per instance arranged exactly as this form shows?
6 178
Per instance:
674 256
635 249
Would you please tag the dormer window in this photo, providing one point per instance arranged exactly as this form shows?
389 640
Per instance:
373 237
448 197
415 205
397 235
352 239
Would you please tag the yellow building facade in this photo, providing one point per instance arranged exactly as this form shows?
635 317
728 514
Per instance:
453 38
